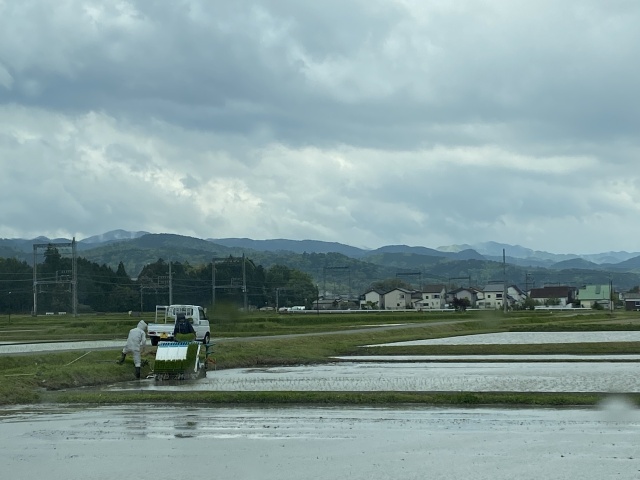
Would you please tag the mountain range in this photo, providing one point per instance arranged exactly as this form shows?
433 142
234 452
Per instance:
478 263
485 251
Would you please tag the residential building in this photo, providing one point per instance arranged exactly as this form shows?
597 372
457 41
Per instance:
373 299
553 295
632 301
471 294
325 304
397 299
431 297
590 295
492 296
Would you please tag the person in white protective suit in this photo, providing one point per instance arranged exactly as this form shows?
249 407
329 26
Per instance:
136 341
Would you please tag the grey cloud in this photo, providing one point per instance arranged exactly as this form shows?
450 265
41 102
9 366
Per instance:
372 121
232 67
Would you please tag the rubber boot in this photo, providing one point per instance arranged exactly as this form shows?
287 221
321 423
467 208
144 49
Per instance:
120 361
138 373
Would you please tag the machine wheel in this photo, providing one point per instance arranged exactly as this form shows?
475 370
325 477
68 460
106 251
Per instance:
206 338
154 341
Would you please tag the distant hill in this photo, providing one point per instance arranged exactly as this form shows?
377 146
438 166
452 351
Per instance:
358 268
523 262
405 249
112 236
633 264
576 263
610 257
7 251
515 254
138 252
527 256
294 246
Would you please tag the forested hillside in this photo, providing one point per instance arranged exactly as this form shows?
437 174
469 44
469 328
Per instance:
134 274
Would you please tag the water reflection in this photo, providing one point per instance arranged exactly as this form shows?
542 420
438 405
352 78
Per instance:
294 443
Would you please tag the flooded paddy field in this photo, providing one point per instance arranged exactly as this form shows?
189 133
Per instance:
156 442
519 338
594 377
166 442
444 373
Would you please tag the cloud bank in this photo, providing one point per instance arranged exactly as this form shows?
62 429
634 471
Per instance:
363 122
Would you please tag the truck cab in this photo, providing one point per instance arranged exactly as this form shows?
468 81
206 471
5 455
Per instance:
162 328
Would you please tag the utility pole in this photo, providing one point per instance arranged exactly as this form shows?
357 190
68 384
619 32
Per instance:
610 295
213 283
215 286
527 275
73 281
244 283
170 285
504 283
74 276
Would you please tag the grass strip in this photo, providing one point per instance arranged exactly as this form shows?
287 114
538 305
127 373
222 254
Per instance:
586 348
336 398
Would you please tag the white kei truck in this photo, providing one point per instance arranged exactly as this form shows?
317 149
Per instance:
162 328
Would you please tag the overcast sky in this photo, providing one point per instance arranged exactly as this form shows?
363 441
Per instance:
365 122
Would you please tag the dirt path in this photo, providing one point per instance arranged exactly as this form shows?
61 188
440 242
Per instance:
33 347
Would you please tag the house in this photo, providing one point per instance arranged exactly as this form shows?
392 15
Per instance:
517 294
397 299
431 297
373 299
492 296
632 301
590 295
471 294
325 304
560 296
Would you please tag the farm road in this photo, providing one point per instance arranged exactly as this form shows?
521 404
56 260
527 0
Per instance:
36 347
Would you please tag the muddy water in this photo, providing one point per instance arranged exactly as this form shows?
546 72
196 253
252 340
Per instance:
607 377
152 442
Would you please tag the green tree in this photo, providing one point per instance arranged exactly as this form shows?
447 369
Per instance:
293 286
461 304
15 277
121 273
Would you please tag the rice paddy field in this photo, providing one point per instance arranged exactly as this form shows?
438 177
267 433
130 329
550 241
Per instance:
73 359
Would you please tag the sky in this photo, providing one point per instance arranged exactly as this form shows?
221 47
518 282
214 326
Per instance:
364 122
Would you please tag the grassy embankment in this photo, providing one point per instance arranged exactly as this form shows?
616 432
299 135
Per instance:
56 376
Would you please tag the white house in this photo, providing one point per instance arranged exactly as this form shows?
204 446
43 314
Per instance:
431 297
397 299
470 294
372 299
492 296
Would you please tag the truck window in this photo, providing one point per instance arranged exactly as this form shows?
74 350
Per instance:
203 316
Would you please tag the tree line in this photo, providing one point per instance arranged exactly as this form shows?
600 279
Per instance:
100 288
